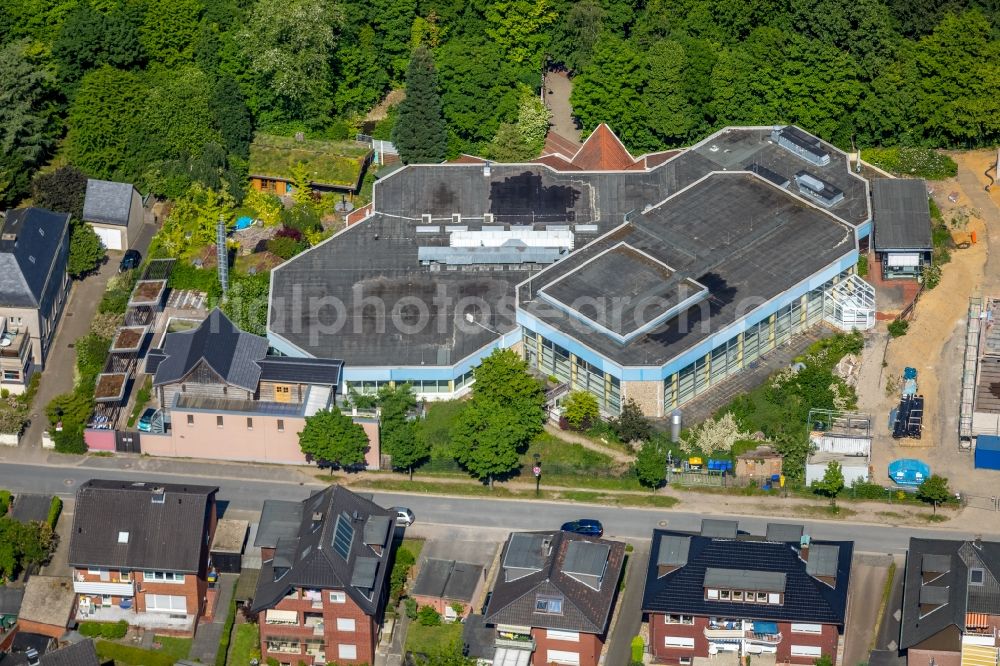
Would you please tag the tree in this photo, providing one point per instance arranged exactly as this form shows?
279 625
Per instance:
102 127
399 434
581 409
169 30
85 250
575 35
288 46
231 117
485 440
523 140
428 616
332 438
362 80
651 463
934 490
832 482
503 382
26 131
247 302
631 425
518 28
90 38
420 133
62 190
670 114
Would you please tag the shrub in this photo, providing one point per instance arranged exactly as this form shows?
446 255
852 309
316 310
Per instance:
400 570
427 616
186 276
285 247
898 327
55 508
227 631
581 409
411 608
637 648
4 502
909 161
863 266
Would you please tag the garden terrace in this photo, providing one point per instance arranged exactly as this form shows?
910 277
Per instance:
332 164
147 292
110 387
128 339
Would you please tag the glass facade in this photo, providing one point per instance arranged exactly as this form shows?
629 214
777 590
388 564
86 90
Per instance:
555 361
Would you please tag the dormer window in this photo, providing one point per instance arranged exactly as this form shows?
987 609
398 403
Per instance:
549 605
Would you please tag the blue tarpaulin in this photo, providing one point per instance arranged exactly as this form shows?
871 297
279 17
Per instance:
909 471
765 627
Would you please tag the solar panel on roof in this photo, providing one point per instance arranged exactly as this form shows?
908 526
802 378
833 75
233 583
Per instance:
673 550
376 530
343 535
720 529
933 563
933 594
745 579
586 558
785 532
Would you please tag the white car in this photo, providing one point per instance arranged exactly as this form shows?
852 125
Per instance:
404 517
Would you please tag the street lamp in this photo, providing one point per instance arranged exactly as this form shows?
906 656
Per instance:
537 471
472 320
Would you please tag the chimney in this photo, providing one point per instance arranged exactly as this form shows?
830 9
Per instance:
978 542
804 547
32 655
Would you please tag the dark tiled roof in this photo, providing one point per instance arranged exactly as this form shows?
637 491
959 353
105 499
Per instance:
584 608
79 654
901 214
478 639
806 599
27 262
29 507
230 352
937 577
162 536
107 202
313 547
448 579
302 370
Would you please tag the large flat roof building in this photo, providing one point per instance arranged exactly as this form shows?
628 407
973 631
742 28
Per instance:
650 277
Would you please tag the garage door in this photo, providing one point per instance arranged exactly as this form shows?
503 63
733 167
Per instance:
110 238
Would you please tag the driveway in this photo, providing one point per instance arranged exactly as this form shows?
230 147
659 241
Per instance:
868 578
629 608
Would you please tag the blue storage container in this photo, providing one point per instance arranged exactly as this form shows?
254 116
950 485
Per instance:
987 452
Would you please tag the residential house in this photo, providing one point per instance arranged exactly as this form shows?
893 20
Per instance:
223 397
324 578
951 603
781 597
34 286
140 552
553 597
114 211
83 653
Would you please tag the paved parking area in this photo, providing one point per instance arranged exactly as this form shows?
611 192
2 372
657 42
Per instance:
868 578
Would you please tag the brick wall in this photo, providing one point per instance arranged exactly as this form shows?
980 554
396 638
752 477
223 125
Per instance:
588 647
916 657
648 395
363 637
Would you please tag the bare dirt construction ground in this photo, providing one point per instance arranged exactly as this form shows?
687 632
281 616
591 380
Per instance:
934 343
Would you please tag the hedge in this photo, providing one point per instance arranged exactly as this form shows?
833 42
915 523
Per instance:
109 630
227 632
55 508
4 502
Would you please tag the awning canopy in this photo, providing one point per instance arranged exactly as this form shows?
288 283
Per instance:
283 616
976 620
900 260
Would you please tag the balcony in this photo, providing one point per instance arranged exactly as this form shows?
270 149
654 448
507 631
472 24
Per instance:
14 345
526 643
104 588
724 633
284 648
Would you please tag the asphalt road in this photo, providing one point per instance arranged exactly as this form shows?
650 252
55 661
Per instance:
628 523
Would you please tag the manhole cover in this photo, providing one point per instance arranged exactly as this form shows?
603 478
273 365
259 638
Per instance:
68 482
662 523
127 466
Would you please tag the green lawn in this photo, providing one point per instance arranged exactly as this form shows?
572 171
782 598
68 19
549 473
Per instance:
326 162
414 546
171 651
429 640
246 645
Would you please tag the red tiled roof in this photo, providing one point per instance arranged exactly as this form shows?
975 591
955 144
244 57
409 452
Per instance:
656 159
557 143
467 159
603 151
557 162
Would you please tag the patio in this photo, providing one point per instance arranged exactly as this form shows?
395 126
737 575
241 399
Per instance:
153 621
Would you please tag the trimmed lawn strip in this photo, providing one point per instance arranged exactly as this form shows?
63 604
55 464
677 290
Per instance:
246 645
431 640
478 490
172 650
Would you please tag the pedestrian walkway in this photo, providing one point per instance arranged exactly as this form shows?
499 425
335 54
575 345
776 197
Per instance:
629 611
209 635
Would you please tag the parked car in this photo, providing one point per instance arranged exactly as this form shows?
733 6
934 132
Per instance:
586 526
404 517
146 420
131 260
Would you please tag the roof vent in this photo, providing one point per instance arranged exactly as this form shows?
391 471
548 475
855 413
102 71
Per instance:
31 258
41 231
159 496
486 169
317 516
714 148
123 537
356 516
32 656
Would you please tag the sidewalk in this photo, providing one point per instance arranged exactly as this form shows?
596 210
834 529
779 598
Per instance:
206 641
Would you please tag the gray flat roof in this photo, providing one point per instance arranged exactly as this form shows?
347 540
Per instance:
823 559
745 579
673 551
901 214
278 519
722 529
586 558
448 579
735 233
786 532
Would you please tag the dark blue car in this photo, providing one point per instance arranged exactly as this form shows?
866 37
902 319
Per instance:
586 526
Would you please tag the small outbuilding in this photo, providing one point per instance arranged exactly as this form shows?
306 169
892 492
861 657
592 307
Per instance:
48 605
114 211
446 584
987 452
227 546
902 219
761 463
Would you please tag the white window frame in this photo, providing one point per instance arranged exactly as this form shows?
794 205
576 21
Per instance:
711 594
566 636
681 642
562 657
806 628
338 597
153 605
806 651
677 618
95 572
168 577
346 624
347 651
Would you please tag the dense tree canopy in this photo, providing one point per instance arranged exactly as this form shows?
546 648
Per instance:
167 93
